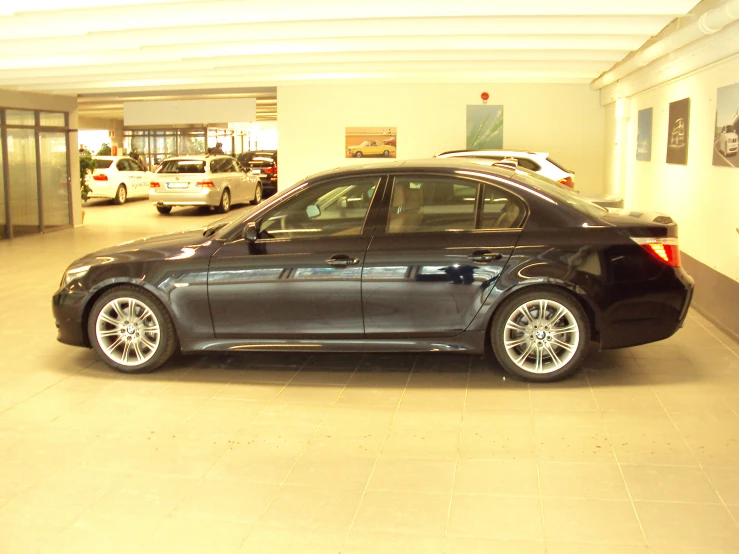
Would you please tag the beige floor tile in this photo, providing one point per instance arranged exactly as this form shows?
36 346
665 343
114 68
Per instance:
422 444
277 541
318 395
618 400
316 376
591 521
229 500
505 478
346 443
412 475
332 470
312 509
584 548
571 399
412 417
371 543
279 414
410 513
592 481
468 545
255 465
669 484
481 399
191 535
571 447
370 397
726 483
652 448
626 422
25 538
150 496
688 525
256 392
496 517
567 422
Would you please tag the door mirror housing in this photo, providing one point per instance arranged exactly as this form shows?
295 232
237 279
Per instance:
312 211
251 233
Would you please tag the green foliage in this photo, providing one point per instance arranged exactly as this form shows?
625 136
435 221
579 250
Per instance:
87 164
104 150
488 133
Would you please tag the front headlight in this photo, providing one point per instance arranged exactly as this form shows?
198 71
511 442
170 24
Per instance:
74 273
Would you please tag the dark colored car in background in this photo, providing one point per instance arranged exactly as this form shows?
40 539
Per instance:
424 256
263 164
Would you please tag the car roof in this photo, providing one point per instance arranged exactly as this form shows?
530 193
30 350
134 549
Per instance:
201 157
494 153
443 164
110 157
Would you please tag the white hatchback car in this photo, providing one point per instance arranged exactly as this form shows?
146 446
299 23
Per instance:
539 162
214 181
118 178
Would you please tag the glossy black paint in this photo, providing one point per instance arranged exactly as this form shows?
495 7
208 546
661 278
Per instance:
404 292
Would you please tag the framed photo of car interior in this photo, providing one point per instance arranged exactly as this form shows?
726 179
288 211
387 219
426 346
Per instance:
726 131
678 127
371 142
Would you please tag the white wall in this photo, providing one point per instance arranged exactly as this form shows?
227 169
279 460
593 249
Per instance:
563 119
703 199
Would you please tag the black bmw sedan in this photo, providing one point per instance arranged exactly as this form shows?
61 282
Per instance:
425 256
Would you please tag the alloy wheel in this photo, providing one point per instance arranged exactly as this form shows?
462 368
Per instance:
128 331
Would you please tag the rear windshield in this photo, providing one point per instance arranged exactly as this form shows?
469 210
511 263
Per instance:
182 166
103 164
261 162
563 168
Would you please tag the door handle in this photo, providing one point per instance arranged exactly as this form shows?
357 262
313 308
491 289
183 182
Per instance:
484 256
341 260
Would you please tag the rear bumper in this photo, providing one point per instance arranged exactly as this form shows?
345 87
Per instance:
106 190
203 197
67 308
653 313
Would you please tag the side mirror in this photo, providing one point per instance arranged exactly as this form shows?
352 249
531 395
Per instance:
250 232
312 211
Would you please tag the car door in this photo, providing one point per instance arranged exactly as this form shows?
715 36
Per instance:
243 182
300 276
137 177
439 247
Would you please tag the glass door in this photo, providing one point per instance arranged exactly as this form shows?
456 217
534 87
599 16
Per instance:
54 179
24 209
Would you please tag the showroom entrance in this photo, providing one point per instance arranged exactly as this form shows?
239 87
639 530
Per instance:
34 172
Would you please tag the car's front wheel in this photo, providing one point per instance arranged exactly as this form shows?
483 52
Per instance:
164 210
541 335
386 153
358 154
131 330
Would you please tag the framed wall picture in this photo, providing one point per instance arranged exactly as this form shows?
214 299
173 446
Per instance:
725 139
678 127
484 127
644 135
371 142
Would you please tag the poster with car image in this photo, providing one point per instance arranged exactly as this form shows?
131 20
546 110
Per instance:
678 126
725 140
484 127
371 142
644 135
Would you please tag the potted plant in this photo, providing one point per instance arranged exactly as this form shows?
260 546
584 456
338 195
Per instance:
87 164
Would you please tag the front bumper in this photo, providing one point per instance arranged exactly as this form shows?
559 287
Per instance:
203 197
68 310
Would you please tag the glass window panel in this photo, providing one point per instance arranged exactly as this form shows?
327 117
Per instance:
51 119
54 179
3 221
20 117
501 210
23 185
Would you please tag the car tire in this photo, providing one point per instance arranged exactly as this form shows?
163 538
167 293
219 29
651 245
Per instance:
121 194
131 330
257 194
386 153
164 210
358 154
225 204
556 343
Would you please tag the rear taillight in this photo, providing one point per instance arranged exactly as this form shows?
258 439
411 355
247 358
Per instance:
154 185
100 177
206 184
270 170
567 181
665 250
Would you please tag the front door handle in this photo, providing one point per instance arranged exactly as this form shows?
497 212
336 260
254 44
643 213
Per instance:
484 256
341 260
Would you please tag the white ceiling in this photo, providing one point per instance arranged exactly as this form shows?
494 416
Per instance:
142 47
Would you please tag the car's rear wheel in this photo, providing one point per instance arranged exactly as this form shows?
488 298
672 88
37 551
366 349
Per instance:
386 153
164 210
131 330
257 194
358 154
541 335
120 195
225 204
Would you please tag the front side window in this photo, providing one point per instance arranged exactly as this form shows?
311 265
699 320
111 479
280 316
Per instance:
431 204
338 208
122 165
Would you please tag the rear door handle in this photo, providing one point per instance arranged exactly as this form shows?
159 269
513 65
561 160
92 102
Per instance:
484 256
341 260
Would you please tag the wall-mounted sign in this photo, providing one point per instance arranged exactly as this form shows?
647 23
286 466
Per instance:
484 127
372 142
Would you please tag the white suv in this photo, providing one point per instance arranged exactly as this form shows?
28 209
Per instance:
215 181
118 178
538 162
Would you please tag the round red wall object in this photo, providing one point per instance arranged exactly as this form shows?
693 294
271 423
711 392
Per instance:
484 96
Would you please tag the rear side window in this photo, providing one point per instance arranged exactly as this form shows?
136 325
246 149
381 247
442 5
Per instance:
182 166
431 204
103 164
529 164
500 209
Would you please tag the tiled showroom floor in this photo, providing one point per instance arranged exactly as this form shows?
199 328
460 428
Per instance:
333 453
